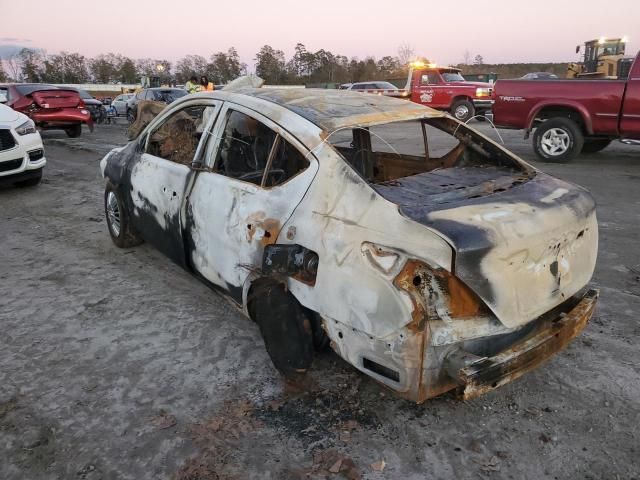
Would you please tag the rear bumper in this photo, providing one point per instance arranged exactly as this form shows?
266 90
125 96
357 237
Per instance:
479 375
62 118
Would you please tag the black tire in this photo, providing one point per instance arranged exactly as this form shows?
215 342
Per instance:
74 132
118 219
32 182
286 329
558 140
594 146
101 115
463 110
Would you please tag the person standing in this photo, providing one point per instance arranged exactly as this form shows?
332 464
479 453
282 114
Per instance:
192 85
206 85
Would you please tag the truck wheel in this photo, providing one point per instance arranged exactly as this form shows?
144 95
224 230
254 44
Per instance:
118 220
463 110
594 146
286 330
558 140
74 132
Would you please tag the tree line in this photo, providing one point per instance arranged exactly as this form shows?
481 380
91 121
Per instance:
322 66
304 67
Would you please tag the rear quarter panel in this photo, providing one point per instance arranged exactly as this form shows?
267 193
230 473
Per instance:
517 102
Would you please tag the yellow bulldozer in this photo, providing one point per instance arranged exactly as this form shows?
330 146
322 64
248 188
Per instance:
602 58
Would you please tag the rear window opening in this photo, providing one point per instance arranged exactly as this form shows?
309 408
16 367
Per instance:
428 158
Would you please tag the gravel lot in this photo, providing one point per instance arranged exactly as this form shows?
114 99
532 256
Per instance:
116 364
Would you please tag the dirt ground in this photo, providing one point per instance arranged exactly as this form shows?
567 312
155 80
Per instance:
116 364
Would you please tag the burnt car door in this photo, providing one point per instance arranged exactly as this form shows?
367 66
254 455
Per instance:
161 172
258 175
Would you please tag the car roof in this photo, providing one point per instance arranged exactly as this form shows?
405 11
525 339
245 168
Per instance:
331 109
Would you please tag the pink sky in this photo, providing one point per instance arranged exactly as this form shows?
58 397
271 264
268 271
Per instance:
499 30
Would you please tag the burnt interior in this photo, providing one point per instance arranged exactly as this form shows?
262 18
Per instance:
433 160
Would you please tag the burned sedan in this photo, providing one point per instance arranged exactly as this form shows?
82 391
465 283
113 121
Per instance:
425 254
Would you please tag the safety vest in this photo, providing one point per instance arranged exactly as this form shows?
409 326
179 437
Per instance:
192 87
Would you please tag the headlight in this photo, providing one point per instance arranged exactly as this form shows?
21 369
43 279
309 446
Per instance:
26 128
483 92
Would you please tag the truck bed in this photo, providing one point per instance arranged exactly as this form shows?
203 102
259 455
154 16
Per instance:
599 101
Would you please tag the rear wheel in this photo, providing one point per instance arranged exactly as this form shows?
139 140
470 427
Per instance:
594 146
463 110
558 140
118 220
131 115
74 132
286 329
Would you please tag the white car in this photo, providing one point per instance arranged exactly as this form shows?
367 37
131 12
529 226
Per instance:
426 255
120 103
21 151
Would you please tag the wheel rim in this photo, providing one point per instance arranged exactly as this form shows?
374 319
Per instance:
461 112
113 214
555 142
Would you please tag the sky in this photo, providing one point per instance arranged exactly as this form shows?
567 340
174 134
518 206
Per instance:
502 31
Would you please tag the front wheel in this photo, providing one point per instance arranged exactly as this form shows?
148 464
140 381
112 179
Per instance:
558 140
118 221
594 146
463 110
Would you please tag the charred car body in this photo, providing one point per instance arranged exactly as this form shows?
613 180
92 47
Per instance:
427 255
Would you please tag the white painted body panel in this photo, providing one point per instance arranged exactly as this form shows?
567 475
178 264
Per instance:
10 119
161 183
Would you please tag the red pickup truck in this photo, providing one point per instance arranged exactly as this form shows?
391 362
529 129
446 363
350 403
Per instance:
444 88
571 116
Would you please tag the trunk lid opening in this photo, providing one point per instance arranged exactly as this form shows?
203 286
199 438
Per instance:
56 98
524 241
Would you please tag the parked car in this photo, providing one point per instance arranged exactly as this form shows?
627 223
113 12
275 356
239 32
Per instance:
48 106
378 87
539 76
21 152
159 94
430 257
569 117
95 106
120 103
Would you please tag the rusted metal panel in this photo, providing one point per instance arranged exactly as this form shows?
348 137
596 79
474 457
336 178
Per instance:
552 336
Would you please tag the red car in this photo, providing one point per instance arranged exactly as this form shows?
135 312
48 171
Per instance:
571 116
50 107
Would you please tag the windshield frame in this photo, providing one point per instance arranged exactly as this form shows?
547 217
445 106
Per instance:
457 76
